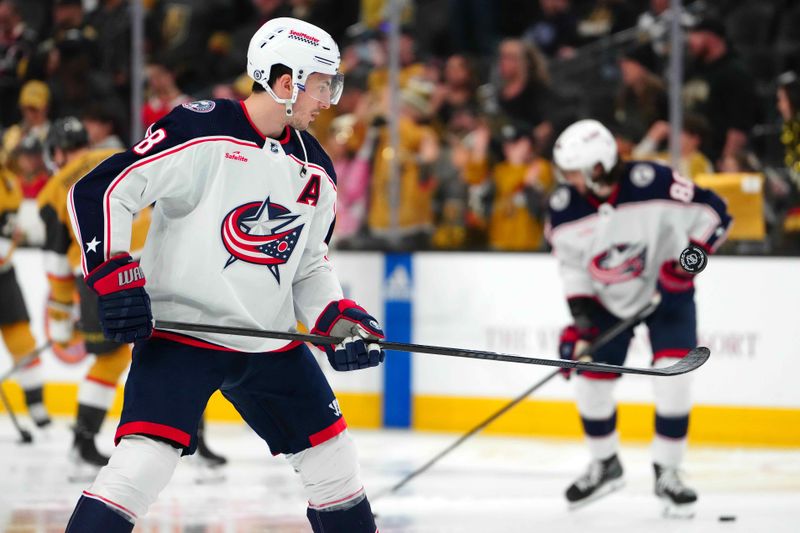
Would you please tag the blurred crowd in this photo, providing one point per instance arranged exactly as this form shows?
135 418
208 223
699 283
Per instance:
485 87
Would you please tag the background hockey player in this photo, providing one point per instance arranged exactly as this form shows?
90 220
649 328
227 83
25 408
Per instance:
617 229
14 321
68 146
244 208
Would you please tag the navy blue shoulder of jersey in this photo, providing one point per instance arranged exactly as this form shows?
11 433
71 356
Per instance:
643 180
209 118
314 151
567 205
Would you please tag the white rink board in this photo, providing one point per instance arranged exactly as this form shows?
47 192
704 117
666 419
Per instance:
514 303
360 273
747 310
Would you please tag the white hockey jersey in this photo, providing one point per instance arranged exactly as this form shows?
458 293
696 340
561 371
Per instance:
613 250
239 231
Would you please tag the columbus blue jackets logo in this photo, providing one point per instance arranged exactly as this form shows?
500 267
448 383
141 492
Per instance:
200 106
260 233
620 263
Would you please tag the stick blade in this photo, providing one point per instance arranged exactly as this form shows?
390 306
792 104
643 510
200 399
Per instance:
691 361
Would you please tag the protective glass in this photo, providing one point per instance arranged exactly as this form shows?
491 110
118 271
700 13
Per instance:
324 88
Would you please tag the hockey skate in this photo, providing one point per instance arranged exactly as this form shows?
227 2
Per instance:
602 477
679 500
86 459
208 464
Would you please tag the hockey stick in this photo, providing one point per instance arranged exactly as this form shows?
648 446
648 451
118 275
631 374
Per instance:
24 435
691 361
25 361
600 341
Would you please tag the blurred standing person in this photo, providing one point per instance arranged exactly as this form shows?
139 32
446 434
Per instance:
17 45
719 88
15 327
419 149
457 90
524 92
75 83
163 93
352 163
112 21
32 174
692 161
555 30
788 104
410 67
102 126
34 102
192 36
30 165
642 97
518 187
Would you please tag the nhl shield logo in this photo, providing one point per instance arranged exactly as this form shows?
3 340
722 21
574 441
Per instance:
259 233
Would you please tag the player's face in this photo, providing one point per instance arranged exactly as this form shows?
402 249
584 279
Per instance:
321 91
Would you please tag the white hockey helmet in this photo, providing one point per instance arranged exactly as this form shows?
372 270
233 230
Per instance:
302 47
582 146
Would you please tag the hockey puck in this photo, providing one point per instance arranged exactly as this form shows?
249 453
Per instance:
693 259
727 518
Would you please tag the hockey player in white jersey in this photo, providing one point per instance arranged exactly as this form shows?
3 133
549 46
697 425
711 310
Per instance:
244 209
617 228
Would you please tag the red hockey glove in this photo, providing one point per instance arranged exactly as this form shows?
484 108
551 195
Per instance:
672 278
675 285
571 343
123 304
347 319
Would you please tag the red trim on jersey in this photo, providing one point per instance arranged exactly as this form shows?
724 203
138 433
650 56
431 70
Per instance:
250 120
155 157
287 134
335 502
599 375
197 343
678 353
102 382
109 502
154 430
328 433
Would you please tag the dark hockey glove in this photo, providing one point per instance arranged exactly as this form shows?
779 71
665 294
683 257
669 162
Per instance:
347 319
675 285
572 341
123 304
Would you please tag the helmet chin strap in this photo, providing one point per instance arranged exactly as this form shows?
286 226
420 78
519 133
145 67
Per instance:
287 102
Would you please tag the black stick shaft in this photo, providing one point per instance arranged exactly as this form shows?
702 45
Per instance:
679 368
601 340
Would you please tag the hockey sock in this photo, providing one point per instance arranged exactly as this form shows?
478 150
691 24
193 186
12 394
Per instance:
34 399
356 519
91 514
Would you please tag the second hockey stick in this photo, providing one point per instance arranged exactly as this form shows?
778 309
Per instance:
24 435
600 341
693 360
